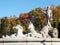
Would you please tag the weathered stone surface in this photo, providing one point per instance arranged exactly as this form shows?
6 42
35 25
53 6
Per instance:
29 41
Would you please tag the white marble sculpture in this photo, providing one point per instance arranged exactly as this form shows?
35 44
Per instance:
32 30
5 36
54 32
48 13
45 31
13 35
19 31
48 27
18 34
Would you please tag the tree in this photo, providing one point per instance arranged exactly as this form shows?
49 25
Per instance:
5 25
38 18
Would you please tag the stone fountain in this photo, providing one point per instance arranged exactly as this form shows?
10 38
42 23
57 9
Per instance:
42 38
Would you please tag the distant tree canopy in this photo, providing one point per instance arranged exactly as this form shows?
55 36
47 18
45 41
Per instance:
36 16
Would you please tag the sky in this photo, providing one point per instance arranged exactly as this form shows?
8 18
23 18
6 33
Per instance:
15 7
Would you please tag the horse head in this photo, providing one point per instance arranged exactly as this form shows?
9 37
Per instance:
31 26
18 27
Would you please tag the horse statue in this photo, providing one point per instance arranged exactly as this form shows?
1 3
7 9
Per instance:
44 31
19 32
33 32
